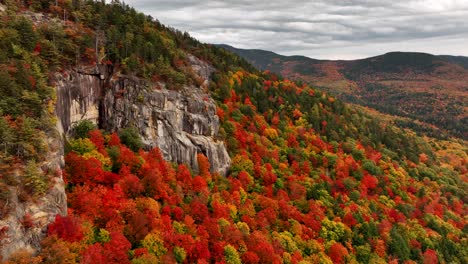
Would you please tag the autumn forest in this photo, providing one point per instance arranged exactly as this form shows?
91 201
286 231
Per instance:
311 180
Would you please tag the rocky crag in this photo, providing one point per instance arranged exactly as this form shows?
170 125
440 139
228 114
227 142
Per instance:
180 123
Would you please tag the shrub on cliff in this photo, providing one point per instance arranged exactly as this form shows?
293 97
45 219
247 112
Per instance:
131 138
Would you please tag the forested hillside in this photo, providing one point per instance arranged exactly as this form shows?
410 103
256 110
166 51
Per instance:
312 179
427 93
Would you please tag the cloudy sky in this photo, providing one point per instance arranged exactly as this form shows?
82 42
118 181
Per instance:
323 29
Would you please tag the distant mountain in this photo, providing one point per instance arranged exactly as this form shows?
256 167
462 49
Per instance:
461 60
428 88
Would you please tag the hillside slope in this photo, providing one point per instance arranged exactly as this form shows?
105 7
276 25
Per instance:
427 88
311 179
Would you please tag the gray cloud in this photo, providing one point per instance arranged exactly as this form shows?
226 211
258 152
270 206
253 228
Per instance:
333 29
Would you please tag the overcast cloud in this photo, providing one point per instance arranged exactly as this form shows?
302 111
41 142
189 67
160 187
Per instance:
323 29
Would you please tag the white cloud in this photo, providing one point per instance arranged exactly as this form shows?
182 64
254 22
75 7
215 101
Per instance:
334 29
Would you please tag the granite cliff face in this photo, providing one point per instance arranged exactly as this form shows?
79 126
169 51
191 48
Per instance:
181 123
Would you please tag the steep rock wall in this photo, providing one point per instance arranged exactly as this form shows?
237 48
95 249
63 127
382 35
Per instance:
181 123
77 99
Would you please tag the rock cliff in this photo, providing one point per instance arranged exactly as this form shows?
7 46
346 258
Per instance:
181 123
27 221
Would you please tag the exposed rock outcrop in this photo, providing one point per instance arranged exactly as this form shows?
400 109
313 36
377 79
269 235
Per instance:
181 123
77 99
27 222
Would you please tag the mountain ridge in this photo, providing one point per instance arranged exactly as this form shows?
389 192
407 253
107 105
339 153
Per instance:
459 59
428 88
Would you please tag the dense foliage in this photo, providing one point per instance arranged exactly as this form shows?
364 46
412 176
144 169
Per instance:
26 110
428 90
291 197
312 180
40 38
